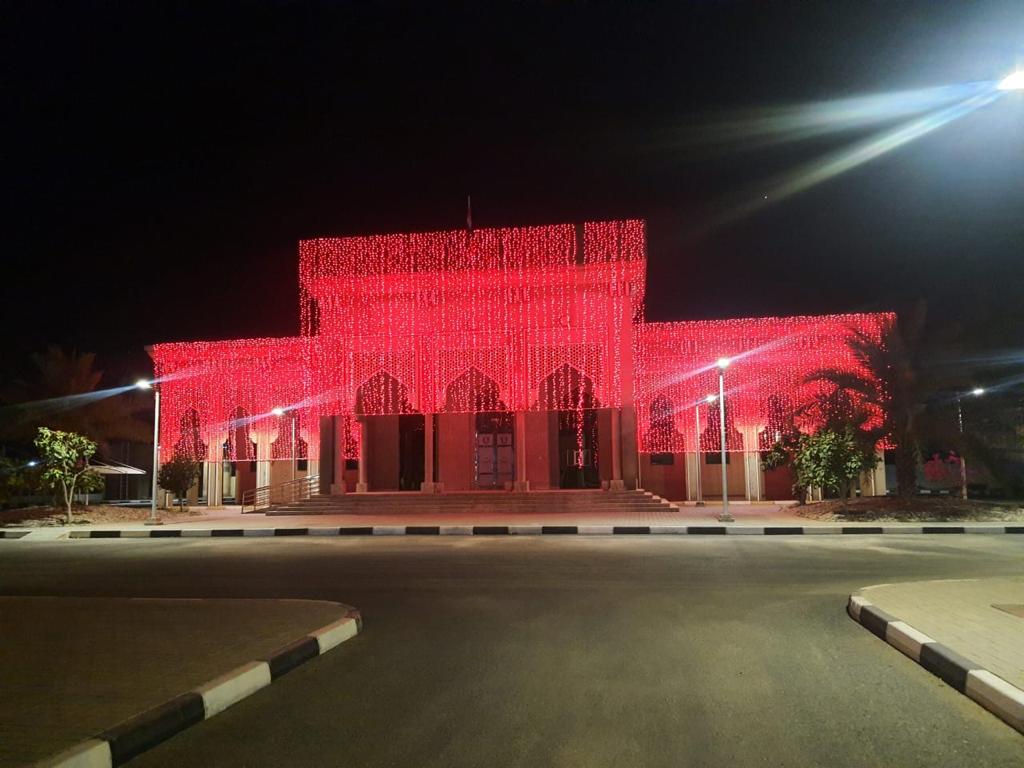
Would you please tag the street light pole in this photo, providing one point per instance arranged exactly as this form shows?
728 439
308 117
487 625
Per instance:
144 384
977 392
723 363
697 457
295 451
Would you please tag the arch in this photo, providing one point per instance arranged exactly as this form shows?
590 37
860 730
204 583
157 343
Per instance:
382 394
566 389
189 443
474 392
240 446
281 447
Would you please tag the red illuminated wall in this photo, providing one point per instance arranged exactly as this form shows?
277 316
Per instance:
771 358
531 318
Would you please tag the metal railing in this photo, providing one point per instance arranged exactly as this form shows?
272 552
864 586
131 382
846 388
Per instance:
285 493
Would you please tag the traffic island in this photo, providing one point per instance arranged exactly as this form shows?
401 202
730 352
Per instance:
92 682
969 632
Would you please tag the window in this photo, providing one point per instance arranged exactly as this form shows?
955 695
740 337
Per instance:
662 459
716 458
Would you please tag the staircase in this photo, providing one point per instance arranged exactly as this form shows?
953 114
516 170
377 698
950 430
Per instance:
479 502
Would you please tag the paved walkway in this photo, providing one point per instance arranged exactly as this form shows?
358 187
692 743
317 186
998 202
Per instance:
982 619
72 667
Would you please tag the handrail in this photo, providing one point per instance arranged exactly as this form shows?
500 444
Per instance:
283 493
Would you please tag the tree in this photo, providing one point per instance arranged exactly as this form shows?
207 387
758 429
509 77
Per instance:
65 457
178 475
887 383
61 393
831 460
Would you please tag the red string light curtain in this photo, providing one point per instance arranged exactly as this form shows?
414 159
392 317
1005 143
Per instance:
770 359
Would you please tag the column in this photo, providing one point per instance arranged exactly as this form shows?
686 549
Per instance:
616 483
361 485
753 477
428 485
262 459
521 483
214 483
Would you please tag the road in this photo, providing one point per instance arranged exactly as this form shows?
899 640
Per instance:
582 651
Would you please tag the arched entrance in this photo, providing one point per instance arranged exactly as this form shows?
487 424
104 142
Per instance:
477 397
393 432
570 394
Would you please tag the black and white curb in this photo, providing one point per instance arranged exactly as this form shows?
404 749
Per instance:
13 534
999 697
538 530
134 736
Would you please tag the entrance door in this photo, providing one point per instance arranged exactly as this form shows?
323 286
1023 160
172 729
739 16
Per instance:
577 449
494 451
411 432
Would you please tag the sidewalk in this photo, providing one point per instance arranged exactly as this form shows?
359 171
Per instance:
73 667
745 514
969 632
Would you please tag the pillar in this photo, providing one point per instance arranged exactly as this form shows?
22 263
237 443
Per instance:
872 482
753 476
693 474
428 485
364 438
521 483
616 483
262 459
213 482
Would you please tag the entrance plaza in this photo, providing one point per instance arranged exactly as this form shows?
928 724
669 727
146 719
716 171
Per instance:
503 360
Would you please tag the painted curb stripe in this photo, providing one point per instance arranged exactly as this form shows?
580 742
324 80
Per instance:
999 697
531 530
130 738
222 692
137 734
94 753
948 664
284 660
13 534
559 529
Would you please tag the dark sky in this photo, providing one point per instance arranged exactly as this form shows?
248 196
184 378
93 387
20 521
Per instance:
161 160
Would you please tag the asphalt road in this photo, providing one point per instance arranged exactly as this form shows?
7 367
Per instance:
544 651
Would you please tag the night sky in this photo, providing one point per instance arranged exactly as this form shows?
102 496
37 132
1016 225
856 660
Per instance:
160 162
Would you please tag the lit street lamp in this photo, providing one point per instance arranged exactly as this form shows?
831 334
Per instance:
723 363
976 392
700 456
144 384
1012 82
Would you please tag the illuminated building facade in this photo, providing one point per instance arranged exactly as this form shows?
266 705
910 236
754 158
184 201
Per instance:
497 359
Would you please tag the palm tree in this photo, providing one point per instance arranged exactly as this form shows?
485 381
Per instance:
887 383
62 394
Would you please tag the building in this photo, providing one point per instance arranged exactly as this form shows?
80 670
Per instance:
496 359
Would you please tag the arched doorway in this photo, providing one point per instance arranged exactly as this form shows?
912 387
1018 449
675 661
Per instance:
393 432
477 396
570 395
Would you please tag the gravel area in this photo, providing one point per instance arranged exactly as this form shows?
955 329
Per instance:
917 509
40 517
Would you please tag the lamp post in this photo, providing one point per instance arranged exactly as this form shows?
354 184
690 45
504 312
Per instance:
144 384
723 363
295 469
698 456
977 392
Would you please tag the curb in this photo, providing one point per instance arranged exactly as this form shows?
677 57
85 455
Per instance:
536 530
119 744
999 697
